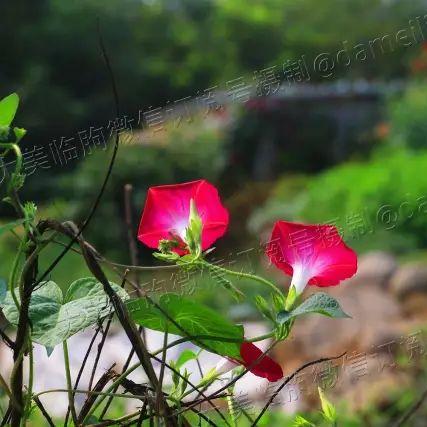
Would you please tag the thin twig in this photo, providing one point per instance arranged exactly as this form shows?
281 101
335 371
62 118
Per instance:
126 322
411 411
288 379
110 399
162 368
69 383
237 377
133 249
109 169
6 339
7 415
195 388
104 337
82 367
38 402
99 386
100 348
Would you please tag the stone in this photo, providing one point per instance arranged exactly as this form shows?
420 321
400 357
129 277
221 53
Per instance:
375 266
409 279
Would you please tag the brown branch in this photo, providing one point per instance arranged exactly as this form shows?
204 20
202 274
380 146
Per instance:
6 339
6 415
38 402
127 324
99 386
133 249
29 274
110 398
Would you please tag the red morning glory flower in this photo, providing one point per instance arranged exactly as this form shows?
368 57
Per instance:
311 254
266 367
167 211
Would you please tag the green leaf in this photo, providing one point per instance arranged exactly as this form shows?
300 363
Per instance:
194 318
185 357
302 422
11 225
8 107
328 410
317 303
3 291
55 318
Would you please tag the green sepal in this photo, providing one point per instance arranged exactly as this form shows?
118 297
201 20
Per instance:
291 298
193 233
264 308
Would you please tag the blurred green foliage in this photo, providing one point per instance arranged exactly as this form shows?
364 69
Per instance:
378 204
164 50
408 118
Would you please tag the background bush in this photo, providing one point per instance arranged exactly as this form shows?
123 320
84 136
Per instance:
408 118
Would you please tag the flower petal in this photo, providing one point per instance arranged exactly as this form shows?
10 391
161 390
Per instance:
311 253
167 210
265 367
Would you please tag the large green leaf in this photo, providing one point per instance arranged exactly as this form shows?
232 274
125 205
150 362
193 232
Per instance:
3 291
55 318
317 303
195 319
8 107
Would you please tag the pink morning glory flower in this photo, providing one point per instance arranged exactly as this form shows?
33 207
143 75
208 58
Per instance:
311 254
167 211
266 367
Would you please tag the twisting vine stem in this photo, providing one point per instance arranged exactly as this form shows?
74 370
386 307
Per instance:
69 383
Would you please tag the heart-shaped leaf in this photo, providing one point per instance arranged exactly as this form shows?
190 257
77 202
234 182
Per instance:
55 318
8 107
195 319
3 291
317 303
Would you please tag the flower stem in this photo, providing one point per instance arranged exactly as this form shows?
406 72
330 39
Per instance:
231 408
239 274
4 386
27 409
261 337
69 383
18 154
12 277
110 389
